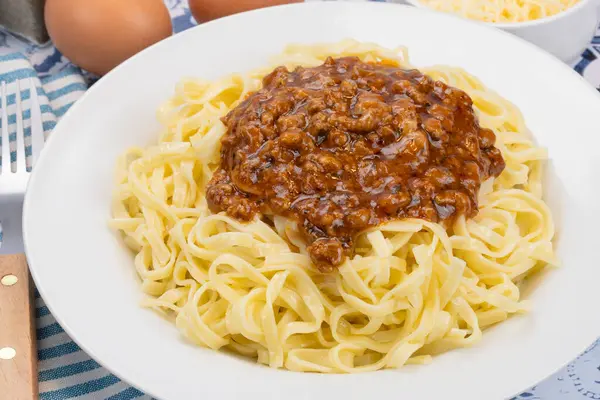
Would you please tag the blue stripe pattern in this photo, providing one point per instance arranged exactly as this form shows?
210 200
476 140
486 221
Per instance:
57 351
65 73
18 74
68 370
80 389
25 95
41 312
127 394
66 90
47 331
13 56
59 112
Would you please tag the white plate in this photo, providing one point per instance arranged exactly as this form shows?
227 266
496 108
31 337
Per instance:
87 277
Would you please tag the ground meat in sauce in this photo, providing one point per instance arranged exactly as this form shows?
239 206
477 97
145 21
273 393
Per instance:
348 145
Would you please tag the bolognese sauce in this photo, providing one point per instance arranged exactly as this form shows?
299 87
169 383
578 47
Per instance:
348 145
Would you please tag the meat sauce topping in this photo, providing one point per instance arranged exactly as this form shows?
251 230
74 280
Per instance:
349 145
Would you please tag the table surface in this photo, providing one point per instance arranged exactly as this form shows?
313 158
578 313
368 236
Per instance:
578 380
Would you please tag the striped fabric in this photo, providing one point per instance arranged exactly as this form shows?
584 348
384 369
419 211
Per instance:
65 371
56 94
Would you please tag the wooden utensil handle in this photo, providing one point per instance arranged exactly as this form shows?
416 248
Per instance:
18 357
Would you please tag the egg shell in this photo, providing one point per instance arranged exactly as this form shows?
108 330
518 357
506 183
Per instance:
98 35
207 10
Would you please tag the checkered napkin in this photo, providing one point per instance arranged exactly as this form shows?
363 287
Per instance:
65 371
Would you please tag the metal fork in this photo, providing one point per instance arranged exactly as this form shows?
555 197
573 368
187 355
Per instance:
18 358
13 182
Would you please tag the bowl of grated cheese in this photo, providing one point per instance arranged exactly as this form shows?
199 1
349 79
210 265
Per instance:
561 27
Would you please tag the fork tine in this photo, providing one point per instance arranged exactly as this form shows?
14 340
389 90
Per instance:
21 162
37 129
5 164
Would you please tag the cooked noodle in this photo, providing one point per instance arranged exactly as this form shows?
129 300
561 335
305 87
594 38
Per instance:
413 289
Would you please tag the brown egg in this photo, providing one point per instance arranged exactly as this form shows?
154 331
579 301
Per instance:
98 35
206 10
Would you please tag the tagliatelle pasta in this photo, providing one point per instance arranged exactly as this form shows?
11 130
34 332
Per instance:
412 289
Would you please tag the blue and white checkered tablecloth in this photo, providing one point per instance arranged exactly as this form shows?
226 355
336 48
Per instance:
65 371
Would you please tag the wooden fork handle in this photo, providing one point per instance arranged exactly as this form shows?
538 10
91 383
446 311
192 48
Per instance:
18 357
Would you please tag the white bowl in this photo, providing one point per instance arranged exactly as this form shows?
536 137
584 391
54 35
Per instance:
87 276
564 35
